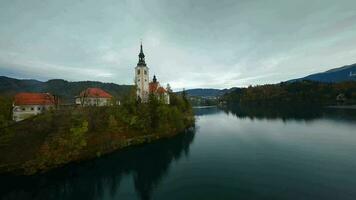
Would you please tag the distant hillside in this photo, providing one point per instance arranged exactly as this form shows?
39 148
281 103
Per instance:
200 92
203 92
64 89
345 73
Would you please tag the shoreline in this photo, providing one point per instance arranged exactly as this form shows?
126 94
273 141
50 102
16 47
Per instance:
89 153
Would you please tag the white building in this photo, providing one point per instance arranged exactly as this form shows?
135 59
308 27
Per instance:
143 86
159 91
142 78
26 105
94 97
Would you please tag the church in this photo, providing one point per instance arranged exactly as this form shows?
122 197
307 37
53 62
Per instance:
143 85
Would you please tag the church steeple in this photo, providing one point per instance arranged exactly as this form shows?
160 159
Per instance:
154 79
141 57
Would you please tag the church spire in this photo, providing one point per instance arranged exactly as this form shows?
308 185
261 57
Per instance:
141 48
141 57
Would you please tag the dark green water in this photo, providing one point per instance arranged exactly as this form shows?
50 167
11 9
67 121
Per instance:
232 154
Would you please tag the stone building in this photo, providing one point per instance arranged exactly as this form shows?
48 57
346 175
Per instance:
143 86
160 92
142 78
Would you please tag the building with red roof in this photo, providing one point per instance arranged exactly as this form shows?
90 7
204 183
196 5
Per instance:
143 87
29 104
94 97
156 89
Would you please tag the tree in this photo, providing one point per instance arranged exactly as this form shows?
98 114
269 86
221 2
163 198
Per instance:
153 109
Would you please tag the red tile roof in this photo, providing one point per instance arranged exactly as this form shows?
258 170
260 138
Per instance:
25 98
95 92
161 90
153 87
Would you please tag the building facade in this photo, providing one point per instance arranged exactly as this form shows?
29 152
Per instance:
26 105
160 92
94 97
143 86
142 78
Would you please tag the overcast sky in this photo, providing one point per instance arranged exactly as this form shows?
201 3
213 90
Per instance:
188 43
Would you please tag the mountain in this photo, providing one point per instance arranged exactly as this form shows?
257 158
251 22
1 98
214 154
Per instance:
201 92
65 90
345 73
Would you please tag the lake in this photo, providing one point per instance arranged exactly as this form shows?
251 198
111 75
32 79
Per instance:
233 153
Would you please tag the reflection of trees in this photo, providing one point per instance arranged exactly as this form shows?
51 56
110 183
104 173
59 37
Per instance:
288 112
147 164
206 111
284 112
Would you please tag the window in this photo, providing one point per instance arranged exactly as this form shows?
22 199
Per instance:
138 71
23 109
145 72
38 108
32 108
138 80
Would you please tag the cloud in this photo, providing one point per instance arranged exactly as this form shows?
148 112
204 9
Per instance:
187 43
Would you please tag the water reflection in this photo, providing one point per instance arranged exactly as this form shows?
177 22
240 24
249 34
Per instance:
100 178
200 111
289 112
232 158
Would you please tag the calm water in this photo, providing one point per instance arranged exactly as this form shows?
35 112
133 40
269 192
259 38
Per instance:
233 154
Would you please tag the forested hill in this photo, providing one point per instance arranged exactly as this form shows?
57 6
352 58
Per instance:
301 92
64 89
202 92
345 73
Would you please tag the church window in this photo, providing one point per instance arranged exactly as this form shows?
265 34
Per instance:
138 71
145 72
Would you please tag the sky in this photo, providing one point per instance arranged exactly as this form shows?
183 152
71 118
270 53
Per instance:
187 43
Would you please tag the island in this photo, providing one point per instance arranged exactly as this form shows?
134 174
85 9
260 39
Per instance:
39 132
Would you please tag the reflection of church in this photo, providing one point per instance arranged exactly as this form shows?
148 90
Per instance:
144 87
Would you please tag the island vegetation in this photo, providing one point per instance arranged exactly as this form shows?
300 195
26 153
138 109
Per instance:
69 134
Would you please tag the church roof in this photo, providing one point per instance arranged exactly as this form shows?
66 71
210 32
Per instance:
26 98
155 88
161 90
141 58
95 92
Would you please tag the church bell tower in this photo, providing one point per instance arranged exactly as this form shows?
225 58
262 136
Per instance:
142 78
